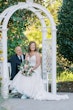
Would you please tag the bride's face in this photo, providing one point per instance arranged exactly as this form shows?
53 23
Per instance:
32 47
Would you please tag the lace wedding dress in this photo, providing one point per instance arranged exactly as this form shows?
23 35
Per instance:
33 85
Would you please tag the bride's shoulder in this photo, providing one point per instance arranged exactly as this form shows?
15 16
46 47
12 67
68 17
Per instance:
37 54
27 57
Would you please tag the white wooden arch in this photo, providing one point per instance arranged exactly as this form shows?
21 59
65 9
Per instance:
36 9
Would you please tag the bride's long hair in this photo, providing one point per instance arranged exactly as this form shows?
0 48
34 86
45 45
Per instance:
29 50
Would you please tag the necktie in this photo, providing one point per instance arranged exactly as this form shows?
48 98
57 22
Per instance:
20 58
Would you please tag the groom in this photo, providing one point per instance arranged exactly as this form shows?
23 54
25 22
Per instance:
15 61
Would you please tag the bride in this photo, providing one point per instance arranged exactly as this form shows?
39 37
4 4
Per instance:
33 85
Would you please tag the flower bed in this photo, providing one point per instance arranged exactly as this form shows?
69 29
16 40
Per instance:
66 86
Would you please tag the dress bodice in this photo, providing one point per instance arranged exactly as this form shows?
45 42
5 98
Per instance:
32 60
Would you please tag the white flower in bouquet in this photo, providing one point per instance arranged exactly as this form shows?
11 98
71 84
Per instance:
26 68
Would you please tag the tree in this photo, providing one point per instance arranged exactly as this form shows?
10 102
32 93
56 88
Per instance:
65 30
16 26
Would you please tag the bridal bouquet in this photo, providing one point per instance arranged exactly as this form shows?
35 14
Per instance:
25 68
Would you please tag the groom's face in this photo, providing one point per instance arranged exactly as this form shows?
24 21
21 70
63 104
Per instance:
18 51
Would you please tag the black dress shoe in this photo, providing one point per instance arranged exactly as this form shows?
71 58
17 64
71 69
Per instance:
10 91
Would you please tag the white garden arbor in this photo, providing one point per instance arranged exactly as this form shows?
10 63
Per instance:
48 45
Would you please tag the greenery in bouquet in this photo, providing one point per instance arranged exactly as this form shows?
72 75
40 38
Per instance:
25 68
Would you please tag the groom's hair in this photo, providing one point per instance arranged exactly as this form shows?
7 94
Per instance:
30 45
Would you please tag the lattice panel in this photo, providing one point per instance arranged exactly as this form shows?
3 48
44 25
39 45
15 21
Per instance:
47 57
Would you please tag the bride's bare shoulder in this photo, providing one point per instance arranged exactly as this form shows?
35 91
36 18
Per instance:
37 54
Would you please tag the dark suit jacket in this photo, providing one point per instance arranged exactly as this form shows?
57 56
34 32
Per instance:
15 62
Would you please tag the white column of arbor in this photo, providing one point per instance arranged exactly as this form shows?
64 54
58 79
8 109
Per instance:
4 19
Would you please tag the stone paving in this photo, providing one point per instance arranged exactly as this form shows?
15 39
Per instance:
30 104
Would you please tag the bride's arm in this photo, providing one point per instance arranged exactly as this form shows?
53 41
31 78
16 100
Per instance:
38 61
27 57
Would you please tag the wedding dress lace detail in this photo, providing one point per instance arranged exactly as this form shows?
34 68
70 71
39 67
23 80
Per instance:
33 86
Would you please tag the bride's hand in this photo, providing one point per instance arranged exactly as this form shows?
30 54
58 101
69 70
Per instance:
32 69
